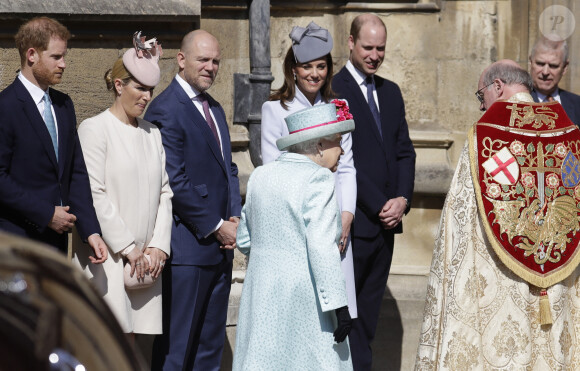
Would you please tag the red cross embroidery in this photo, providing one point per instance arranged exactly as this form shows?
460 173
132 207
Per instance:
502 166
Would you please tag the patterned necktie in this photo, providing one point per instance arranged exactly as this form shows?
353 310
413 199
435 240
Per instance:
373 104
208 118
49 122
549 98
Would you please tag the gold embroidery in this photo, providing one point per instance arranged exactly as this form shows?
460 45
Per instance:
461 355
510 341
424 364
538 207
537 116
565 340
544 236
476 284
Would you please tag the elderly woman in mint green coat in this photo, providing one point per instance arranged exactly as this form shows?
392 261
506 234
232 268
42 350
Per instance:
293 312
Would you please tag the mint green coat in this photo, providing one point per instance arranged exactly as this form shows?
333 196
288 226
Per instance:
289 227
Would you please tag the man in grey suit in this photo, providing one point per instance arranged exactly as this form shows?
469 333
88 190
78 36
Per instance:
549 62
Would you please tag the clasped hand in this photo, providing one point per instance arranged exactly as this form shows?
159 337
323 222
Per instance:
226 233
392 213
62 221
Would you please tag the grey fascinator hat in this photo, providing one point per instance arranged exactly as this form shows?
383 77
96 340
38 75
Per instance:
310 43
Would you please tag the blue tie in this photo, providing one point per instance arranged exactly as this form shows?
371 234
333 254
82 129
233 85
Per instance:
49 121
373 104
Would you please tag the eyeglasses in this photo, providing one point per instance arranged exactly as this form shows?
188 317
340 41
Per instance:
479 93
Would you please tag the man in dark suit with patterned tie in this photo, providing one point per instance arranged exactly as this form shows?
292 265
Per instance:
206 209
385 165
44 185
549 62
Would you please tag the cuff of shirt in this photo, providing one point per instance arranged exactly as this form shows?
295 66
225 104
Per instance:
216 228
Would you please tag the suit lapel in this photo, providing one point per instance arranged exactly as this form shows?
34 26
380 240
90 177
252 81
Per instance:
360 101
223 129
63 134
565 102
30 111
199 121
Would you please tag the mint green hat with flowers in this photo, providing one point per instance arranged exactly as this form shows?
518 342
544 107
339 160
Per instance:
317 122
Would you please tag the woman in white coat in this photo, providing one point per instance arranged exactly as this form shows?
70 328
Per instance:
307 82
293 311
131 194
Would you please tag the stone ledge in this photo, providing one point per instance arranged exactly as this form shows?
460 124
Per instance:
149 8
436 160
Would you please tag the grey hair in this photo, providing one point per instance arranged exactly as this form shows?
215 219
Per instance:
546 43
509 74
310 147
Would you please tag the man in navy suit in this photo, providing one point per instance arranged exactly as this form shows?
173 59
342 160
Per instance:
384 159
44 185
206 206
549 62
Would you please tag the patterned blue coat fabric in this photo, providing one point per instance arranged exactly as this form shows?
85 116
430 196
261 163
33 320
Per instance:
289 227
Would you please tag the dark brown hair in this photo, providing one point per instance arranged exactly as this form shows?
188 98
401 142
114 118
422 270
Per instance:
288 90
36 33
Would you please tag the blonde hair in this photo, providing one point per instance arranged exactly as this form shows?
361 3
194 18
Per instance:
117 72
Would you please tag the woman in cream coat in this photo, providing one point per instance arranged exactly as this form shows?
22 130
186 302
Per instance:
307 82
131 194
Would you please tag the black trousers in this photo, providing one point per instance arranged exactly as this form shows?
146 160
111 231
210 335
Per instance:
372 262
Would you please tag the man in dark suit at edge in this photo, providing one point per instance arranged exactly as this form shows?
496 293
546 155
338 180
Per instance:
206 208
548 63
44 185
384 158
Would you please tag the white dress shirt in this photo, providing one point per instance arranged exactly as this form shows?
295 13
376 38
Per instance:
555 95
360 79
37 95
193 94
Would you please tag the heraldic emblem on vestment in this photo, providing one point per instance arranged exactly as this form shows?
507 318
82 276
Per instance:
525 160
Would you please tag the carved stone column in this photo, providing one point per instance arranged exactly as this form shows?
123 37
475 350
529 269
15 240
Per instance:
251 91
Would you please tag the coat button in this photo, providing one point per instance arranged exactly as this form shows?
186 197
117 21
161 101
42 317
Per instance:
325 301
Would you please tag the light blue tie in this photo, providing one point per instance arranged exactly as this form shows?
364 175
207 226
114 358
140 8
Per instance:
49 121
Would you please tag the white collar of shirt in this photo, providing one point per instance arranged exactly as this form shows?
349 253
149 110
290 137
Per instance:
555 95
301 98
37 95
36 92
189 90
192 93
360 79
